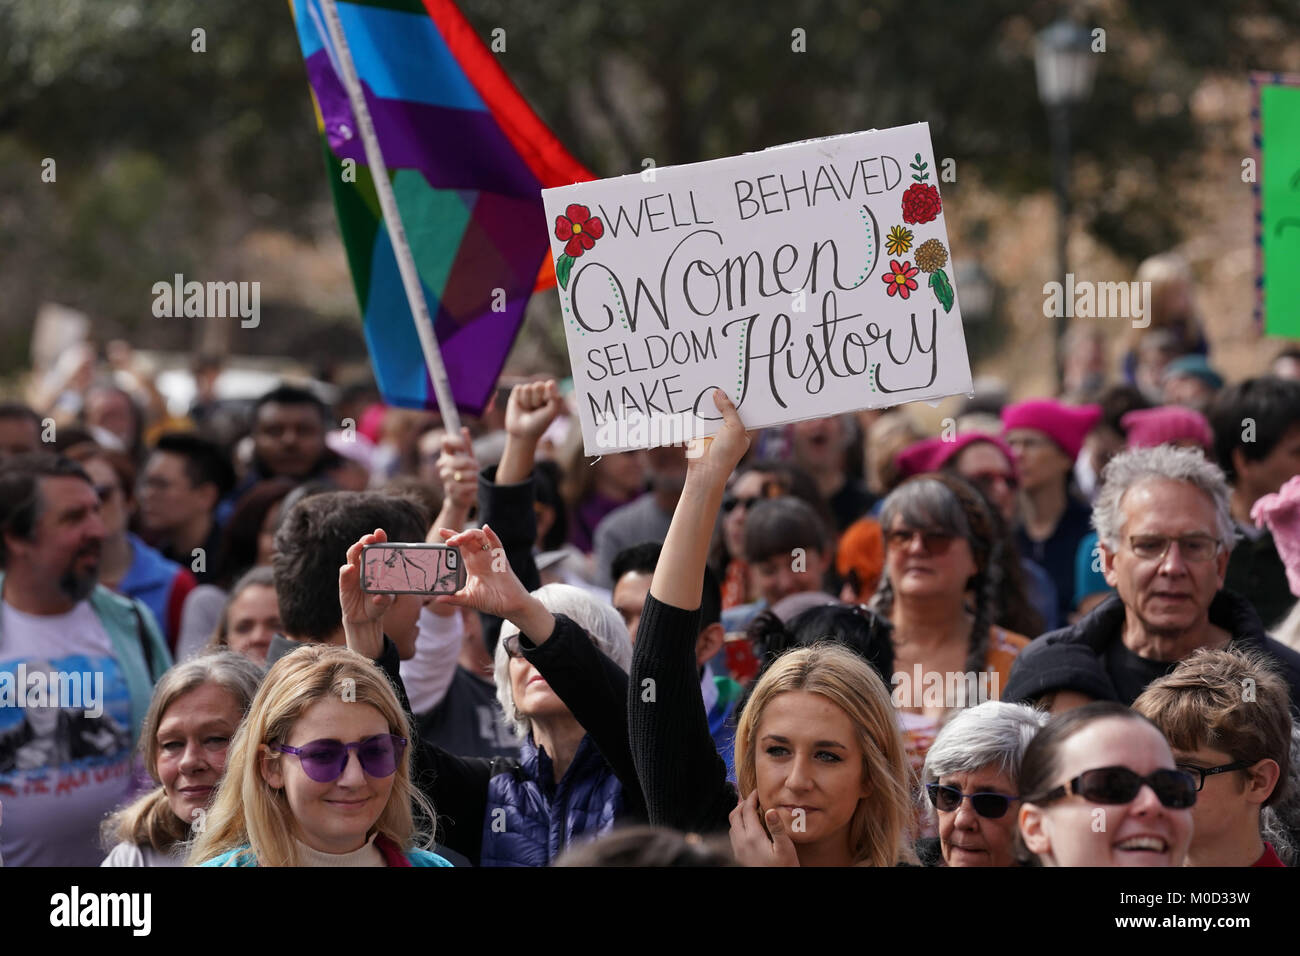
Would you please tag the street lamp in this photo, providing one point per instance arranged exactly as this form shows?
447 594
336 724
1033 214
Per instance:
1063 60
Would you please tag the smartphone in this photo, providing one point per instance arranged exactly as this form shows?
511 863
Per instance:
411 569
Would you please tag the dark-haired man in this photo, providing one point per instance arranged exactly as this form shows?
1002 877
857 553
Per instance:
20 429
1257 442
77 667
289 426
312 543
183 481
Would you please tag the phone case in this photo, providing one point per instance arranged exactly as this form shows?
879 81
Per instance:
411 569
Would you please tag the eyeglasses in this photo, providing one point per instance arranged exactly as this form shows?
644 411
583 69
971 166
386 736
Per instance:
325 760
935 543
986 479
989 805
1192 547
1200 773
1175 789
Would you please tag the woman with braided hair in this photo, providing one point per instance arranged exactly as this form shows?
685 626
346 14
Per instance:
943 569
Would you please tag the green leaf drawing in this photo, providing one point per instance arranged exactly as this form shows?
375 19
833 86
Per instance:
942 289
563 266
918 157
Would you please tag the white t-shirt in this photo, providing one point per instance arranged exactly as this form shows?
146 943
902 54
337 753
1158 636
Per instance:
65 742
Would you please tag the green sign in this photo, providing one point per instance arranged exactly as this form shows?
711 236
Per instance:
1278 140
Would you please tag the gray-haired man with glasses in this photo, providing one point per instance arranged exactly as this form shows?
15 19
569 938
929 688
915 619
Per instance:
1166 530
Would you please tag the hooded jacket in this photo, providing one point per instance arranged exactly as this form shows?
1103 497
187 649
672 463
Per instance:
1102 630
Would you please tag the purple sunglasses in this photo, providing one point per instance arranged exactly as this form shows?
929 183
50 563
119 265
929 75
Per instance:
325 760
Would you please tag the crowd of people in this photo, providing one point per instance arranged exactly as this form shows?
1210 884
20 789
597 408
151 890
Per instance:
1063 632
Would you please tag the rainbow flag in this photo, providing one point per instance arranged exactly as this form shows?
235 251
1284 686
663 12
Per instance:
467 158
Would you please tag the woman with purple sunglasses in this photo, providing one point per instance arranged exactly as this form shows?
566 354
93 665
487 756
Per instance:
319 774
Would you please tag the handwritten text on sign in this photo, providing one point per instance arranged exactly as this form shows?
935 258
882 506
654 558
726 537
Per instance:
804 280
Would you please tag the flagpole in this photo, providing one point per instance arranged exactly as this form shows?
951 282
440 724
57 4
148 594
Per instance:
393 220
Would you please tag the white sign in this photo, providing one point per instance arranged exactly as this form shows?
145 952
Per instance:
803 280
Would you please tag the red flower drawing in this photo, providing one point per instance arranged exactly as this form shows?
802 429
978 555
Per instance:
921 203
579 229
899 280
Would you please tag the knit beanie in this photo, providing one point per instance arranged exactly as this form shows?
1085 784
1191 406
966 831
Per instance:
1059 665
1149 427
1066 425
931 454
1280 512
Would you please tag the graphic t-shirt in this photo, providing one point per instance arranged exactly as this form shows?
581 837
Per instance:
65 740
468 721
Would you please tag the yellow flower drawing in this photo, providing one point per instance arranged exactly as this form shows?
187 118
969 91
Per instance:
898 241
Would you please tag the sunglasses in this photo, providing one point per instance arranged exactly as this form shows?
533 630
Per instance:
1175 789
771 489
325 760
989 805
934 543
512 648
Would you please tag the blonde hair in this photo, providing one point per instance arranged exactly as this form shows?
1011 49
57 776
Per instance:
880 830
247 812
149 820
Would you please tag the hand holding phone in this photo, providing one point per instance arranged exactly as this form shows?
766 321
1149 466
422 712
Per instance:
410 568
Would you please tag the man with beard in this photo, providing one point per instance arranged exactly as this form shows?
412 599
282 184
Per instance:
1166 530
103 651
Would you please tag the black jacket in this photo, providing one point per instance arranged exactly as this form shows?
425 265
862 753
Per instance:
1102 630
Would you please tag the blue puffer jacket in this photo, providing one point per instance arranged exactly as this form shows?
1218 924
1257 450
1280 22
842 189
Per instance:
531 819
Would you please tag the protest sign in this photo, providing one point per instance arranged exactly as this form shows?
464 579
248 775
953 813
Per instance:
804 280
1277 195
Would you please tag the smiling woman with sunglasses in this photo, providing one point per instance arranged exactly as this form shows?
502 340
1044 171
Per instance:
971 779
1099 787
319 773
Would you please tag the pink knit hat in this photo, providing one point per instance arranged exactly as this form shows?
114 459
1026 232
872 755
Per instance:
1064 424
1149 427
1280 512
931 454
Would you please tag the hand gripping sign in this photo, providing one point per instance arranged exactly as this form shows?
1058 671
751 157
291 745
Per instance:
803 280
